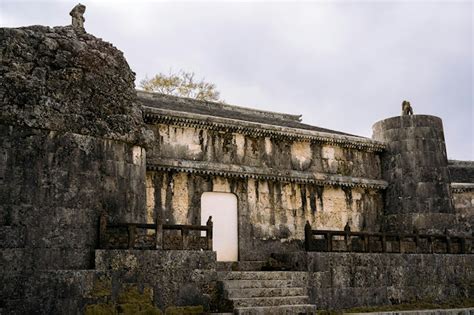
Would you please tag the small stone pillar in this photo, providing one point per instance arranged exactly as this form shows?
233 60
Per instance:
416 167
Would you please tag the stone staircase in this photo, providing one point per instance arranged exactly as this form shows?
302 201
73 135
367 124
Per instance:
265 292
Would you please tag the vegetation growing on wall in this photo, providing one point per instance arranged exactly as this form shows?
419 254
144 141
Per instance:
182 84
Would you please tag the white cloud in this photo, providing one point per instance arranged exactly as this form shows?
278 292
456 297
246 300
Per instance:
342 64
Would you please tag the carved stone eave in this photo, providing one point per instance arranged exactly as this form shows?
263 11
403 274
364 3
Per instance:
165 116
238 171
462 187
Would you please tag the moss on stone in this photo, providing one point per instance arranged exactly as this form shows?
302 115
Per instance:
100 309
102 287
184 310
234 266
150 310
128 308
131 301
132 309
131 295
125 309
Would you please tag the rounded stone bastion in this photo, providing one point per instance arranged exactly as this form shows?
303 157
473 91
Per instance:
415 166
71 145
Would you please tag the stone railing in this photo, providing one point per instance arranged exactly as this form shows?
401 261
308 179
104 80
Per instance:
348 241
154 236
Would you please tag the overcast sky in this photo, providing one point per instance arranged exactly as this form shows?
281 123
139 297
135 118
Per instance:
343 65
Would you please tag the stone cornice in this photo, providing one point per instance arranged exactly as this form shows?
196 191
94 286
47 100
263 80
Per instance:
165 116
238 171
462 187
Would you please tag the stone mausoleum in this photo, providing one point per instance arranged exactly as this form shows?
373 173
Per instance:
106 195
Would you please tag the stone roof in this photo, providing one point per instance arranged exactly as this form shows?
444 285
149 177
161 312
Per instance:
188 105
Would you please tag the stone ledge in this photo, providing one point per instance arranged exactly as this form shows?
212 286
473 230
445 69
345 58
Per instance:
156 116
237 171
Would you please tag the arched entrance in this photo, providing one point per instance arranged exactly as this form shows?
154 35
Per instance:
223 209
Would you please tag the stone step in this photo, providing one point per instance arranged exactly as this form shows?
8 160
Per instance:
246 265
248 284
270 301
265 292
306 309
262 275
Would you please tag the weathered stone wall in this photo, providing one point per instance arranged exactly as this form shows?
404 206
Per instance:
71 145
345 280
271 214
187 143
462 187
176 277
463 199
416 167
464 202
125 282
53 187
